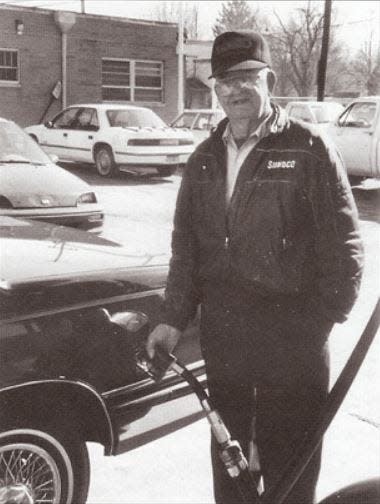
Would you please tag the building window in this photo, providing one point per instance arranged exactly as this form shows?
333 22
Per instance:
9 69
132 80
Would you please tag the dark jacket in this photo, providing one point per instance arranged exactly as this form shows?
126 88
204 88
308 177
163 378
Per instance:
290 230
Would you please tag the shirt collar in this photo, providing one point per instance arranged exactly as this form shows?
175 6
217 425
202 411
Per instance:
263 129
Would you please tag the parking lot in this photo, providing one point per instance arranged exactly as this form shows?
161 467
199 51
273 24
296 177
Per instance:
176 467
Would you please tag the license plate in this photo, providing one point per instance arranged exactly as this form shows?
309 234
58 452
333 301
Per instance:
172 158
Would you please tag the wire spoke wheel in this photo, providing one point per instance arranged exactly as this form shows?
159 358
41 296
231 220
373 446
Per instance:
43 465
28 475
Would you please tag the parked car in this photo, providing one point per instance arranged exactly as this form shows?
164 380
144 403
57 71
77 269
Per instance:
357 135
33 186
199 121
74 312
315 112
115 137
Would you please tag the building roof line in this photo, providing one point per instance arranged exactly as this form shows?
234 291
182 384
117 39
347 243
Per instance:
23 8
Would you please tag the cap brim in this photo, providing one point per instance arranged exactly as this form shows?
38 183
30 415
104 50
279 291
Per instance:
243 65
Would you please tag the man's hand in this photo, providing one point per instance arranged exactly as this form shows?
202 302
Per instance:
164 336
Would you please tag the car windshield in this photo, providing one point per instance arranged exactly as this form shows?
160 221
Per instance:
135 119
17 147
185 120
327 112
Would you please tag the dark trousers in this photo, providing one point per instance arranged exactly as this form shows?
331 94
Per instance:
280 350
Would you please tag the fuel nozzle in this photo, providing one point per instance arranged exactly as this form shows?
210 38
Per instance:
157 367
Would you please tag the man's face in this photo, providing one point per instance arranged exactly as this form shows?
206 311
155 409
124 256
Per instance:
243 94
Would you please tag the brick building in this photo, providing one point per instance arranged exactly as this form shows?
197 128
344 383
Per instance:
83 58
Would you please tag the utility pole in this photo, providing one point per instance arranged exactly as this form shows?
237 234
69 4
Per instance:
322 64
83 8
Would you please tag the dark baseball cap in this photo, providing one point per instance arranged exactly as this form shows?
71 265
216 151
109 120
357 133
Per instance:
239 50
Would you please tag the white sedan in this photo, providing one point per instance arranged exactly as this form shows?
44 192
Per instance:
115 138
316 112
199 121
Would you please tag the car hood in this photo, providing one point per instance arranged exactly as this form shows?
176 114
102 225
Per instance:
36 253
32 185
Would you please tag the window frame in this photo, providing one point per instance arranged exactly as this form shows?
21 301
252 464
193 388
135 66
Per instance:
132 81
16 82
344 121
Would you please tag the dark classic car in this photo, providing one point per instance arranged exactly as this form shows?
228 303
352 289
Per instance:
75 309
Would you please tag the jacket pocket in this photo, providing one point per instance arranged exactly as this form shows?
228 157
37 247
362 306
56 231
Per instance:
261 227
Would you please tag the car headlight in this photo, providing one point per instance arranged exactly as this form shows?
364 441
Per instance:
5 203
86 198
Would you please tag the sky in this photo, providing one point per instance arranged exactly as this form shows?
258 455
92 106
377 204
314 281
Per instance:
356 20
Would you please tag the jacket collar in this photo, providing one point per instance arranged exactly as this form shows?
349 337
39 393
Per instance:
277 123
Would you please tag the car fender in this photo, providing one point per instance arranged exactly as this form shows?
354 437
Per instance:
99 142
35 131
367 492
117 138
116 141
75 403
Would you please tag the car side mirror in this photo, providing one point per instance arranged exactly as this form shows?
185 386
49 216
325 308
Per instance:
48 124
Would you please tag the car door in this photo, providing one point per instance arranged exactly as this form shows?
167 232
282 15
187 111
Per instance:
55 134
354 136
80 139
72 338
144 410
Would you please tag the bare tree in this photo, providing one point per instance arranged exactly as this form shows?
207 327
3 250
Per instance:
296 49
236 14
299 41
170 11
365 68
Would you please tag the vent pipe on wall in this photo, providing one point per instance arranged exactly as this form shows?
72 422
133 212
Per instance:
65 21
180 53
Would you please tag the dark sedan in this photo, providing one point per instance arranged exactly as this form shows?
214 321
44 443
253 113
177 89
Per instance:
75 309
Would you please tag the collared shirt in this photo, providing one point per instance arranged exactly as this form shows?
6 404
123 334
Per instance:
237 155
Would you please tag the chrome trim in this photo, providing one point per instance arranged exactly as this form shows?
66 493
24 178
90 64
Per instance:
142 384
150 154
160 394
80 306
193 367
65 146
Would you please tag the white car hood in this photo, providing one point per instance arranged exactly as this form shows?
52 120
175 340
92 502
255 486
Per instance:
28 185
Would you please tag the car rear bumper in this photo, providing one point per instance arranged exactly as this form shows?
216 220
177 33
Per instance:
61 216
151 159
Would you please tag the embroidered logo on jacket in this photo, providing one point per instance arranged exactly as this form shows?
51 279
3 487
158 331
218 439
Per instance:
272 165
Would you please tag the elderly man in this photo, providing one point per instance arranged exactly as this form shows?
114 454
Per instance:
266 240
